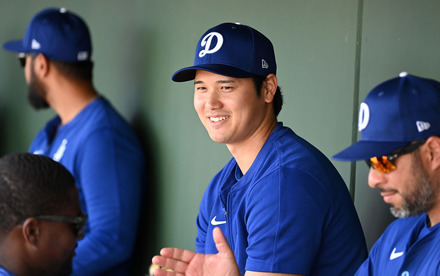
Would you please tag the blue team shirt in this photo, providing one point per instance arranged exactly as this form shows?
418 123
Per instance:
408 247
4 272
102 152
290 213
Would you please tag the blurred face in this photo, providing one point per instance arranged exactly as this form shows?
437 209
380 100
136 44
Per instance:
36 90
229 108
408 189
59 242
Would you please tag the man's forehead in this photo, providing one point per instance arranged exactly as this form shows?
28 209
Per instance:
202 75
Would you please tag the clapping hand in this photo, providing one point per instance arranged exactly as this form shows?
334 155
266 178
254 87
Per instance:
181 262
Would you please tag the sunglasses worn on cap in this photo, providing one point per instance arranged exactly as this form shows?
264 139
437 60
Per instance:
78 222
385 164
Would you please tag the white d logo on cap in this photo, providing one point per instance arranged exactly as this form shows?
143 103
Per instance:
206 42
364 116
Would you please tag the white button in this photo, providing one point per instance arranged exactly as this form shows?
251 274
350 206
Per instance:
403 74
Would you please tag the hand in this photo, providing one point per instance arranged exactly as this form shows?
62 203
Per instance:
186 262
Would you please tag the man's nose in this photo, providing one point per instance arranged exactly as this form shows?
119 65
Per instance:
213 100
375 178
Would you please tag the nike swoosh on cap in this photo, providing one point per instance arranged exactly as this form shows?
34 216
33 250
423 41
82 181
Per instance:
215 222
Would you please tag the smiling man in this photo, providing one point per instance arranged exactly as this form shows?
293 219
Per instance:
41 216
280 203
399 123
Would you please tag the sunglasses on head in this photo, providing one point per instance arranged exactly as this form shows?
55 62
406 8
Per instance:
385 163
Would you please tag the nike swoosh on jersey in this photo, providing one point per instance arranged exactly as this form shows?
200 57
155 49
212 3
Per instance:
215 222
395 255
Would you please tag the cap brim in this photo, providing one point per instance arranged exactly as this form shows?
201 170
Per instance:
14 46
364 150
189 73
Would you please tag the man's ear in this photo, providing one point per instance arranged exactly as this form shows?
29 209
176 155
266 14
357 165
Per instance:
270 87
433 148
41 65
31 231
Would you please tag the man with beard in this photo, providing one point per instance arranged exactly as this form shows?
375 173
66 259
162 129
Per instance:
87 136
41 219
399 123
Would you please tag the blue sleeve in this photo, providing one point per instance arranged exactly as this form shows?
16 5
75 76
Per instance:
109 176
370 265
364 269
4 272
367 267
285 223
202 225
203 216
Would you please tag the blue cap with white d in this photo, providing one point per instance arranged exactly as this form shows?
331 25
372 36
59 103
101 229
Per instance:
233 50
56 33
395 113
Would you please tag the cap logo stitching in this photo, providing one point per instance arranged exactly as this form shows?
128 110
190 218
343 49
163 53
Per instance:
264 64
421 126
35 44
364 116
206 42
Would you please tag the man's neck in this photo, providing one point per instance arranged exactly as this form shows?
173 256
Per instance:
246 151
69 103
434 214
12 254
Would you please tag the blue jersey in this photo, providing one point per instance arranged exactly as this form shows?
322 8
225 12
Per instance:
104 155
4 272
408 247
290 213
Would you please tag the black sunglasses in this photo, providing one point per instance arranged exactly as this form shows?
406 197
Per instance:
385 164
22 59
78 222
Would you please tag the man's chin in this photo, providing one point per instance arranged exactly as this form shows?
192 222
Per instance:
37 102
66 270
404 211
39 105
399 212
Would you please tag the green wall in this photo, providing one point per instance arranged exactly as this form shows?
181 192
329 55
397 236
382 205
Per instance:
329 54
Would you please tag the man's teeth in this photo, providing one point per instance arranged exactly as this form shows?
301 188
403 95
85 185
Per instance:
216 119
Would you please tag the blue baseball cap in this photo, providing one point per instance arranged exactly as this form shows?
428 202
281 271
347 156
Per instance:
395 113
233 50
56 33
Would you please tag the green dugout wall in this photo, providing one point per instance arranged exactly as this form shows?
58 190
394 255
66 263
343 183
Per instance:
330 53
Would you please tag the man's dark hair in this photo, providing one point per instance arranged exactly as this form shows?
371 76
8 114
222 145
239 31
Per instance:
277 99
31 185
79 70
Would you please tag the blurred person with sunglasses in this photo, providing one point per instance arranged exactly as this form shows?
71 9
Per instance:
41 219
399 122
87 135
